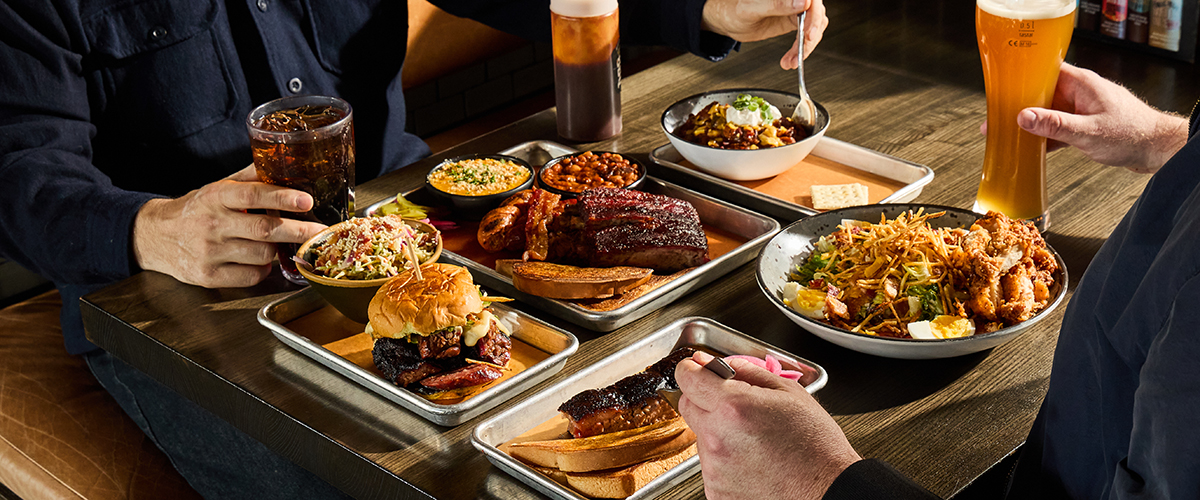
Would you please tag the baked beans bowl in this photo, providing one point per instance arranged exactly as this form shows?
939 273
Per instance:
474 184
569 175
741 164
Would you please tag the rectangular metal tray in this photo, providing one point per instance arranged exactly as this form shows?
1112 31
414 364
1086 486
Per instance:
913 175
755 228
549 339
543 406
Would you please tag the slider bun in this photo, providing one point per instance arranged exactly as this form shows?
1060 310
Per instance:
405 305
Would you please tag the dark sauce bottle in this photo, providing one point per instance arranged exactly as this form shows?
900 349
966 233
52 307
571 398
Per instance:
587 68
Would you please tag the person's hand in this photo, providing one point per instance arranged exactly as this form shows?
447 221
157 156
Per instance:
206 238
753 20
1106 122
759 435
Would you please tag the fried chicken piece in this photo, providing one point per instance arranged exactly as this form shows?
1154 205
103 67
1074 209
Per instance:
1007 269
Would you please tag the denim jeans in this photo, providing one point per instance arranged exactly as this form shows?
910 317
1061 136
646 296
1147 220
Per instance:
216 458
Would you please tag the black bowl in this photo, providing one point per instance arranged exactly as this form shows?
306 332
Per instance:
474 207
641 168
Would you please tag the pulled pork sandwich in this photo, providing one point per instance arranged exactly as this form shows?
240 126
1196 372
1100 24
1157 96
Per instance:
434 333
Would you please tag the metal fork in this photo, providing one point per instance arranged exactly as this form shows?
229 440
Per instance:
717 366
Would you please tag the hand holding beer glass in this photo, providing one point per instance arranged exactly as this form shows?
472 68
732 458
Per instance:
1022 44
306 143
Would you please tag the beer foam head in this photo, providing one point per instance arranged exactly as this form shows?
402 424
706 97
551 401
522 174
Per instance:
1027 9
582 8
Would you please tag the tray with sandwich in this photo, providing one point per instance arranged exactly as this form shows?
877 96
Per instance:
834 175
606 432
436 344
600 257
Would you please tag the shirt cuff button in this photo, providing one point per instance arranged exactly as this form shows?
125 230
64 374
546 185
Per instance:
294 85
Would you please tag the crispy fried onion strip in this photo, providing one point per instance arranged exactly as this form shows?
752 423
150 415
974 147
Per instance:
872 264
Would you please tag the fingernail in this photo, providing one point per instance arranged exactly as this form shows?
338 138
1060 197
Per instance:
1027 119
799 4
702 357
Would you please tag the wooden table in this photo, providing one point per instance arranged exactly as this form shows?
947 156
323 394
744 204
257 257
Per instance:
892 80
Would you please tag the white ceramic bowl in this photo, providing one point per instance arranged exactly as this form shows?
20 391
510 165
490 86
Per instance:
742 164
791 246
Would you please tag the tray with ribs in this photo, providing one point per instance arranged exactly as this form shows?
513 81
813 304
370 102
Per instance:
539 414
307 323
734 236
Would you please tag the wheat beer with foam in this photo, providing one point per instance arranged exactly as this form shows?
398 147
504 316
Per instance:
1022 44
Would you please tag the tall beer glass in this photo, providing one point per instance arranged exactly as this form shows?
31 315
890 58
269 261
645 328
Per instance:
1022 44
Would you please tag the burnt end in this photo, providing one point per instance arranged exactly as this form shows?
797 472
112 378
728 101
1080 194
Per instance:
591 401
441 344
472 374
666 366
400 362
630 403
494 348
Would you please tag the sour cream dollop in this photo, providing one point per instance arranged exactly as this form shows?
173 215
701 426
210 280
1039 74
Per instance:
751 118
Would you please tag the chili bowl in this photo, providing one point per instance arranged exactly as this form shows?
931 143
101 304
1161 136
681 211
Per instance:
742 164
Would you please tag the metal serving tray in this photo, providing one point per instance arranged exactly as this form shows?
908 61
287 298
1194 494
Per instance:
541 407
754 227
557 343
913 175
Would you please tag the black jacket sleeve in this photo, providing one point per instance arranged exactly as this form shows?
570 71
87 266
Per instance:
675 23
875 479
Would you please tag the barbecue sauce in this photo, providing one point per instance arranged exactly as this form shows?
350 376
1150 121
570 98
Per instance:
587 68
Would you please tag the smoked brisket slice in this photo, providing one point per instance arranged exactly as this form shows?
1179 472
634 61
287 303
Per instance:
400 362
629 403
472 374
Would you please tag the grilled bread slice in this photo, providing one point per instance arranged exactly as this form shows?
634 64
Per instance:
623 482
607 451
559 281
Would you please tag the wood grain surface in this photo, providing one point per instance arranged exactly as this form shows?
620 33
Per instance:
898 77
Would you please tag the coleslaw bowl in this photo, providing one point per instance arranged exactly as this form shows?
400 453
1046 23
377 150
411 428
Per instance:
351 296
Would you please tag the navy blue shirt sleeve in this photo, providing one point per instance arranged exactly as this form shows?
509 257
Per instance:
63 218
875 479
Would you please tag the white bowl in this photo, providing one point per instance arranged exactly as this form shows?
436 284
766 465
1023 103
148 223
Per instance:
792 246
742 164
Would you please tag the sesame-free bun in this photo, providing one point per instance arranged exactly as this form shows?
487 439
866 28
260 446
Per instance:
404 305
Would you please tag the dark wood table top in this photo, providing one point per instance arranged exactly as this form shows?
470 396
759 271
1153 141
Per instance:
903 80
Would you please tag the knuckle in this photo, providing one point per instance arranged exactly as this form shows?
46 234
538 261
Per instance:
246 197
261 228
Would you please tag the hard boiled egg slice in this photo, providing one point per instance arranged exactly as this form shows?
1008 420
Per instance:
942 327
806 301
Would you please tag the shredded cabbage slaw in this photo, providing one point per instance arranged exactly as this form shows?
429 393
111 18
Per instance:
366 248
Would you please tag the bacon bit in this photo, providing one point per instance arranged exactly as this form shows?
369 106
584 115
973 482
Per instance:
835 307
816 284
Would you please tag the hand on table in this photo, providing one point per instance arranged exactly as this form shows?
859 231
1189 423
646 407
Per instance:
753 20
1106 122
206 238
759 435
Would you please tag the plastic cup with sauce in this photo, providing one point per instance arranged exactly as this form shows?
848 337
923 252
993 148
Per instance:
587 68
